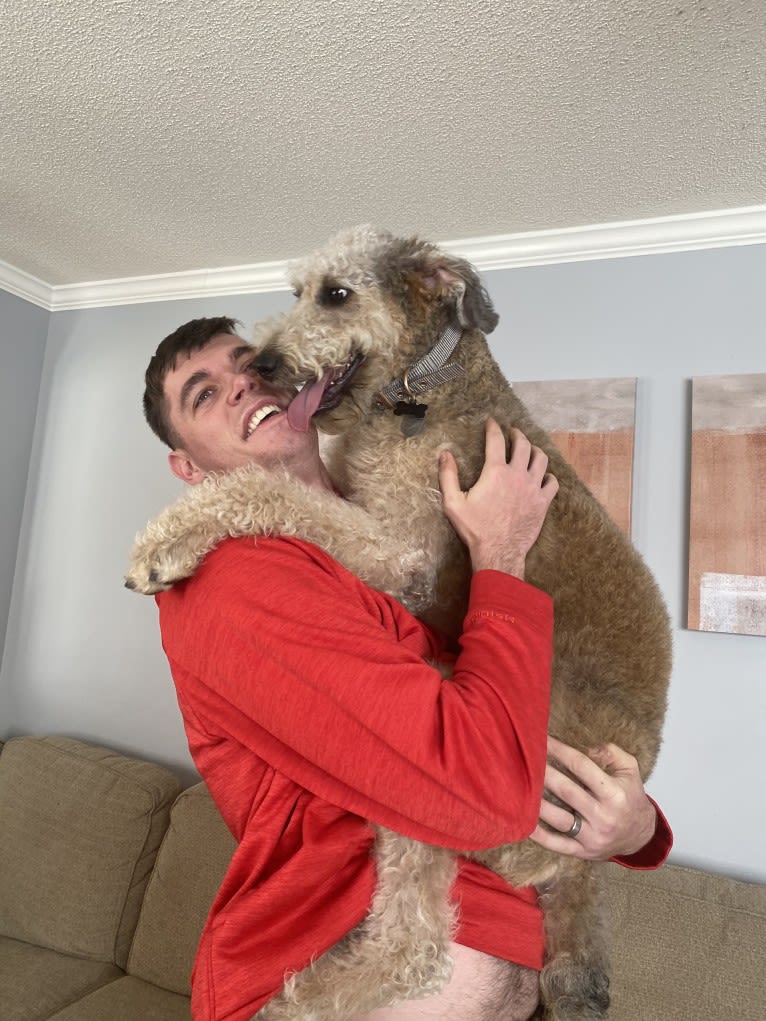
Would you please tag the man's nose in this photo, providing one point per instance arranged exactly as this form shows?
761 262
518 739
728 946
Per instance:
242 384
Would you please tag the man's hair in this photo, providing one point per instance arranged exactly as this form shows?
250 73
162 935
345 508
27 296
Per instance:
190 337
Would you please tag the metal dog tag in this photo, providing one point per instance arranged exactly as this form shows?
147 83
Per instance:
413 416
411 425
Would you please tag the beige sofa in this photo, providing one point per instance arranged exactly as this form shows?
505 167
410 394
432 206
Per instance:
107 870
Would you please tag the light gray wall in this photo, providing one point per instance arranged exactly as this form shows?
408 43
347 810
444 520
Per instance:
23 330
83 655
665 319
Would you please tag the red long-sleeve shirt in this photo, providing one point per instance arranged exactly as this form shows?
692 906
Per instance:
310 709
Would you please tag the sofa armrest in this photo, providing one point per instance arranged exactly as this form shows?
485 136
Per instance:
685 944
81 829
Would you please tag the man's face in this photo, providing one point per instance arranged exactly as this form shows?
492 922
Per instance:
227 416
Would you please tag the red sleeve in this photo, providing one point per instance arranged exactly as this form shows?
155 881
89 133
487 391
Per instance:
655 853
281 649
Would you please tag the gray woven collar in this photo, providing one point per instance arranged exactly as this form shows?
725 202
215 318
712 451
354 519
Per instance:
423 375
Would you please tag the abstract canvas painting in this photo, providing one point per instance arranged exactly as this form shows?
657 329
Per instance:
727 531
592 422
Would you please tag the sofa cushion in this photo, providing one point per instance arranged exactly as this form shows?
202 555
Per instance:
190 865
128 999
686 945
81 828
35 982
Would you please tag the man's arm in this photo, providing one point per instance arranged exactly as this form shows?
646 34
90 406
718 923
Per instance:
615 818
281 648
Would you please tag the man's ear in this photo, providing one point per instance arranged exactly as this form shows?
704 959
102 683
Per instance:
184 468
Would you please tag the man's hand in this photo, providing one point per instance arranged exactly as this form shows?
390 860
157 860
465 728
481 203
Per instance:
617 817
500 517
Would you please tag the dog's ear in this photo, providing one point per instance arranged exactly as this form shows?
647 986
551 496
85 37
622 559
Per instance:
458 280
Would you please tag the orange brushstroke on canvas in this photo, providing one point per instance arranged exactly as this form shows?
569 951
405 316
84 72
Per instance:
728 508
604 462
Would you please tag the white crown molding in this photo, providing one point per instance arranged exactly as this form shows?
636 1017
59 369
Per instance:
204 283
25 286
684 233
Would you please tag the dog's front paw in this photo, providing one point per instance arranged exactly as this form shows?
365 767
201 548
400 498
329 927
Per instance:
149 586
169 550
147 583
155 568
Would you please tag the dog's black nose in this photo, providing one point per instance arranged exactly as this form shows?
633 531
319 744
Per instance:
266 364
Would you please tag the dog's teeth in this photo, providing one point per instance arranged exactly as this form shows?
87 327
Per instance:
340 371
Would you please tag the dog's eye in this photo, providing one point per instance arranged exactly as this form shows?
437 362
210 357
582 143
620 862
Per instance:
334 295
265 365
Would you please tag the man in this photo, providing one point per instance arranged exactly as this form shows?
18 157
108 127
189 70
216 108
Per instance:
310 708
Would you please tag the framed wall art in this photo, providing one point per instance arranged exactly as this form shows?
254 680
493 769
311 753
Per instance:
592 422
727 528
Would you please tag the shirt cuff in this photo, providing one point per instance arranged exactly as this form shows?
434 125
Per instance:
499 594
655 852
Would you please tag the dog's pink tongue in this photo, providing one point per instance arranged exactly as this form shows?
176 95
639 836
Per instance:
305 403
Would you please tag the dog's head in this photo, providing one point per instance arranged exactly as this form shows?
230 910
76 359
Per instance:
368 304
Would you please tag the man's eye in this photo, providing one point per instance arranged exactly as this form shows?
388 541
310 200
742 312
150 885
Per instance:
202 396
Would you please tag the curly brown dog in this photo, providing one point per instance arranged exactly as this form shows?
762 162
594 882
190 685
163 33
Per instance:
388 336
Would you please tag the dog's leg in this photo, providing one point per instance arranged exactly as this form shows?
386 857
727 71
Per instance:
574 984
250 502
398 952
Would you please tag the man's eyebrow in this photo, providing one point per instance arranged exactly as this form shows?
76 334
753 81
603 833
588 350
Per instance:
202 374
238 352
196 377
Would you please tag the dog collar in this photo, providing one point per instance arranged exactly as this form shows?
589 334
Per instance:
423 375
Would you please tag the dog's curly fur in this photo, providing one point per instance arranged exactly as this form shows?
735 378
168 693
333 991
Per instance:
612 651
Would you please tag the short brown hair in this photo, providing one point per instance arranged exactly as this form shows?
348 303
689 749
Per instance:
192 336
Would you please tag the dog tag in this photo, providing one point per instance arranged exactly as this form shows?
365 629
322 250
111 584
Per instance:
413 416
412 425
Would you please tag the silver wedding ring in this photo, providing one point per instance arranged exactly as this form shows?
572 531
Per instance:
576 825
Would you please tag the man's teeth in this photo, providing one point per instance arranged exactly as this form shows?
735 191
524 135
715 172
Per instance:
259 415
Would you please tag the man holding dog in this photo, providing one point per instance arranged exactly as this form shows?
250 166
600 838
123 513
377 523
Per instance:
310 710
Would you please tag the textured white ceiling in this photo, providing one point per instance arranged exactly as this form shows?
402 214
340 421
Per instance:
156 137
